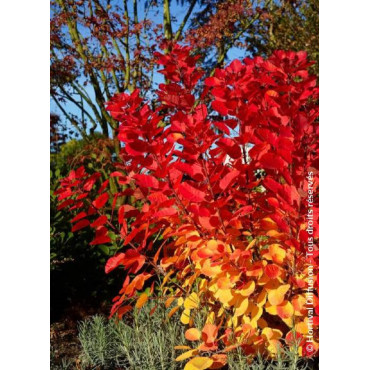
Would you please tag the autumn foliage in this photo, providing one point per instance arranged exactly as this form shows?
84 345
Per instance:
209 212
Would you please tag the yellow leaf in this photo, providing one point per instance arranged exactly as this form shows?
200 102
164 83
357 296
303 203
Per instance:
187 354
192 301
210 318
272 333
166 278
185 316
199 363
289 322
277 253
192 334
242 307
285 310
203 284
270 308
301 328
224 283
224 296
276 296
142 300
220 312
299 305
275 234
261 299
251 244
248 289
256 313
274 346
210 270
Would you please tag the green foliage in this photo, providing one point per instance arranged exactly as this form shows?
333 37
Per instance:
143 343
285 360
290 25
71 151
146 342
77 269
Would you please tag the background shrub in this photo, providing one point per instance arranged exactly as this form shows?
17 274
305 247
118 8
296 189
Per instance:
76 268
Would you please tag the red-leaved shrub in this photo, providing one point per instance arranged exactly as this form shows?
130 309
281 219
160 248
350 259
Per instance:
217 203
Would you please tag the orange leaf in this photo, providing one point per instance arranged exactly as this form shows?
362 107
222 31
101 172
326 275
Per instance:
173 311
192 334
209 333
277 253
219 361
169 301
142 300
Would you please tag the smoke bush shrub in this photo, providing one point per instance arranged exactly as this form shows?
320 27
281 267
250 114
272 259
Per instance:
214 182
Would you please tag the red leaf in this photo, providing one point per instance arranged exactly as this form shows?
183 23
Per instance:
272 271
103 186
272 161
91 181
136 148
117 174
147 181
101 240
100 201
191 193
101 236
230 146
100 221
165 212
244 210
65 194
80 225
226 181
235 66
114 262
220 107
121 214
79 216
82 196
221 126
123 310
64 204
213 81
134 260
